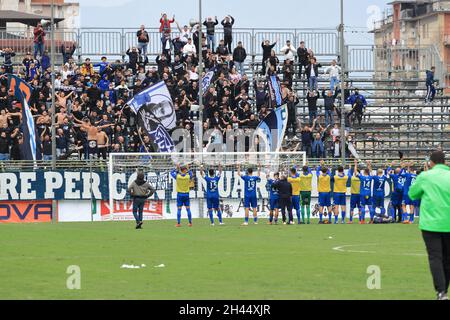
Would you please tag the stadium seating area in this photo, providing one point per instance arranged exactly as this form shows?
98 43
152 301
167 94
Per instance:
395 120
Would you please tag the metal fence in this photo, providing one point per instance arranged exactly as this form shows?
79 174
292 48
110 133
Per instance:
92 42
391 59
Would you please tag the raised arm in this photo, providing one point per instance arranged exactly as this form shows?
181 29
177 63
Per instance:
239 170
355 169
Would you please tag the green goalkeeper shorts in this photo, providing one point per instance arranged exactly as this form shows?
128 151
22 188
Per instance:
306 198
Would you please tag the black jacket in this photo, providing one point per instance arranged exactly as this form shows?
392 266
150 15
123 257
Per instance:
228 26
284 189
239 54
267 49
210 26
303 55
316 69
329 101
312 102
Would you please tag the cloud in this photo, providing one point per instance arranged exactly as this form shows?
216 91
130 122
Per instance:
104 3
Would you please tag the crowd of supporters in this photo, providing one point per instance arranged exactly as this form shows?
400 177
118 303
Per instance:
91 98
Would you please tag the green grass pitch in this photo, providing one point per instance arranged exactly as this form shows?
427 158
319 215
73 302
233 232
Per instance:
222 262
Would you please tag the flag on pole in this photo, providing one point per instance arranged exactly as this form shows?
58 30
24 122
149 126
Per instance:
155 115
272 129
274 91
31 147
206 81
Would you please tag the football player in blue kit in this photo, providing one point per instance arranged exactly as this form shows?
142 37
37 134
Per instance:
379 193
272 188
398 179
250 198
411 176
212 193
365 192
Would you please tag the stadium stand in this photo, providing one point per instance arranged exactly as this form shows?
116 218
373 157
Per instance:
396 118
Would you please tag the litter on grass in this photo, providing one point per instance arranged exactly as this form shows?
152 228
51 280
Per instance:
131 266
160 266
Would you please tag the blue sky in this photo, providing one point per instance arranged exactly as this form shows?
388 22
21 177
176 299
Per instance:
248 13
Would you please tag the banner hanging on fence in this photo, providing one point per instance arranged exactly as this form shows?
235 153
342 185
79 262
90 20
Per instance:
155 115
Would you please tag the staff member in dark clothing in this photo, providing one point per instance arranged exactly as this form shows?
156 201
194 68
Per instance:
285 202
433 189
140 190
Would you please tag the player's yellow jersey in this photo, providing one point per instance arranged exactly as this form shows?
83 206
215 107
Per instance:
295 182
340 184
183 182
355 185
323 183
306 182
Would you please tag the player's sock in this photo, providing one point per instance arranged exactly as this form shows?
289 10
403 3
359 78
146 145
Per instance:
362 215
351 215
308 213
383 211
189 214
179 216
219 215
211 217
371 212
255 219
343 216
411 217
404 216
336 219
302 212
392 213
320 217
298 216
330 218
271 218
246 219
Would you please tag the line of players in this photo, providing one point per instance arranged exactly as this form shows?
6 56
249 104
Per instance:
292 191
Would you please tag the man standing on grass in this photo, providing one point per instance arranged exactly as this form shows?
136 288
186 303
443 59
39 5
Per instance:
250 199
212 193
183 177
140 190
433 189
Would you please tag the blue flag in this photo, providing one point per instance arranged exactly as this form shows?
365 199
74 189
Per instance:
155 115
273 128
31 147
275 91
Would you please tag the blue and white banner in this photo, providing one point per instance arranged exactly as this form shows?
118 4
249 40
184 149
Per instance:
155 115
31 147
272 129
206 81
275 91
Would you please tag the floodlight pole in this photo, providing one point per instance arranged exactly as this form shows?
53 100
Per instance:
343 72
200 89
200 72
53 108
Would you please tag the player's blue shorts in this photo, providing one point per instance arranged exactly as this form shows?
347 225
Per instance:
406 200
339 199
250 202
296 202
396 198
183 200
325 199
378 201
355 201
274 203
212 203
366 200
